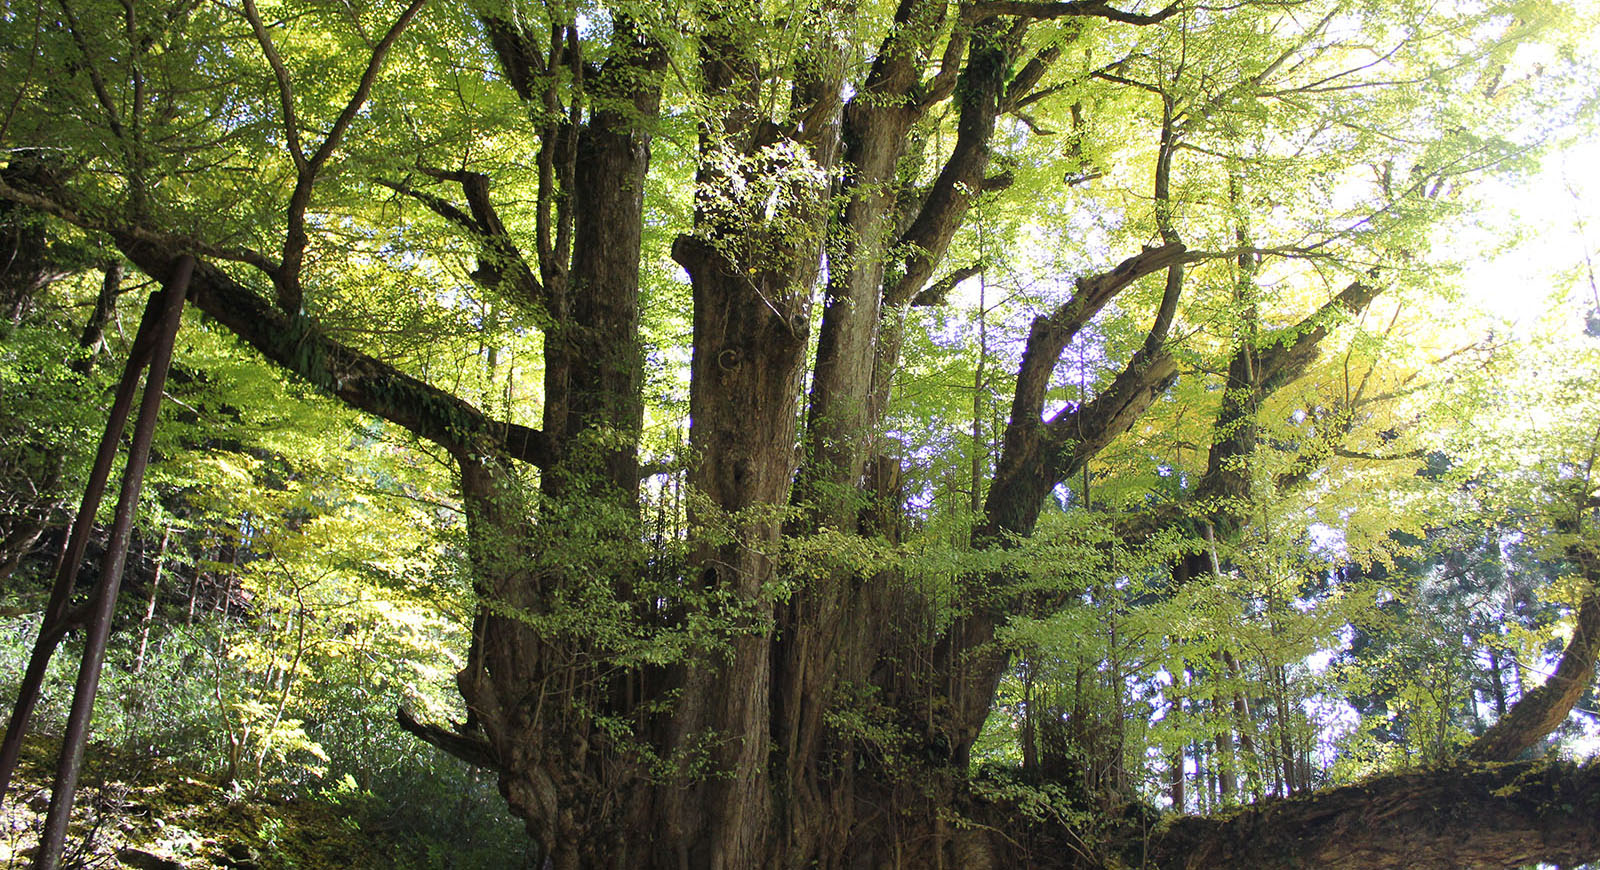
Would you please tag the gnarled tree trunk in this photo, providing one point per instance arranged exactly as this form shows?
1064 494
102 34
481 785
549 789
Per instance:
727 710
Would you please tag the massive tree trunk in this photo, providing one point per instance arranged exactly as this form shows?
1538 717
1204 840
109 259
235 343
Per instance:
724 708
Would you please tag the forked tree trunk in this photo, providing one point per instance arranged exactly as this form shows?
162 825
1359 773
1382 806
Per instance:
814 718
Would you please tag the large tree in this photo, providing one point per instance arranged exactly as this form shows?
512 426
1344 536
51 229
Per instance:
1218 189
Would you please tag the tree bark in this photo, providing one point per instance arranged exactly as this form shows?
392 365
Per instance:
1543 709
1467 816
763 743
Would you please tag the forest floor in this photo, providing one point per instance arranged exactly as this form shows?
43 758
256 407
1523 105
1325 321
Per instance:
144 813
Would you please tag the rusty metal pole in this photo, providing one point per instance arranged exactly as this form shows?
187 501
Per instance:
57 619
105 598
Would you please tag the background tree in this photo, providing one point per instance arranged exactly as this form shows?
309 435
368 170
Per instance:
731 632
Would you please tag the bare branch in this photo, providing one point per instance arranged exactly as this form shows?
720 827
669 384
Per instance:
501 265
1347 453
936 292
473 749
280 73
436 204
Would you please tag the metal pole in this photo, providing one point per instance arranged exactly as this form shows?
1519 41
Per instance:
105 599
56 618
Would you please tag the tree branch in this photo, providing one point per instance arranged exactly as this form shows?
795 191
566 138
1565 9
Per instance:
1288 359
936 292
1540 711
1051 334
943 83
287 278
1078 9
369 77
962 177
474 750
519 62
101 92
1076 435
436 204
501 265
1036 455
280 74
1347 453
1019 91
54 207
357 379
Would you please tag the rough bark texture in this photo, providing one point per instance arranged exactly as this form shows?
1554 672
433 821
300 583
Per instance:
762 745
358 379
1470 816
26 262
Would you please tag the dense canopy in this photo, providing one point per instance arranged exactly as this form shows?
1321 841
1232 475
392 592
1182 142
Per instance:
977 433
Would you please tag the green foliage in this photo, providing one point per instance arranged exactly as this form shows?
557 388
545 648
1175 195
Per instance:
1322 607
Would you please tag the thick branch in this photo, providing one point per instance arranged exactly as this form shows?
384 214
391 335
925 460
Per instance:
943 84
1079 9
936 292
1037 458
880 157
1034 460
1090 428
436 204
501 265
1287 360
1051 334
57 205
1347 453
1026 79
1540 711
520 62
962 177
475 751
360 381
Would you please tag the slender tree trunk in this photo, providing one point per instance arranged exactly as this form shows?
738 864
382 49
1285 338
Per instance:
150 603
1227 775
1497 683
194 592
1280 697
1245 724
1175 765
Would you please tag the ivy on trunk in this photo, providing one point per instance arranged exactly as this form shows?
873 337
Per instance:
725 703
